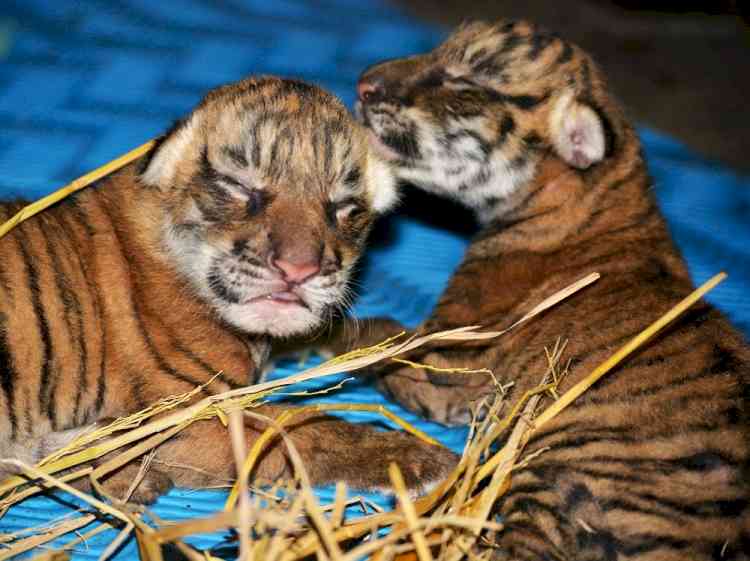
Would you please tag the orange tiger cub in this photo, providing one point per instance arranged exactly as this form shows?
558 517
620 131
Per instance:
241 226
652 462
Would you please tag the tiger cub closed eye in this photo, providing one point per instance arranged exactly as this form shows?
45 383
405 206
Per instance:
518 125
243 225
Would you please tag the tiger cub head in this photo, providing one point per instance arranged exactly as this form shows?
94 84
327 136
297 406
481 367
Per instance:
267 191
472 119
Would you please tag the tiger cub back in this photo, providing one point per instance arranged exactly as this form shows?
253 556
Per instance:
652 461
241 226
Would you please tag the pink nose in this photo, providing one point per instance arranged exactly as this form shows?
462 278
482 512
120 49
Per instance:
297 272
367 90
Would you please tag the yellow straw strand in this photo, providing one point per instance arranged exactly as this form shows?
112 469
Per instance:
80 183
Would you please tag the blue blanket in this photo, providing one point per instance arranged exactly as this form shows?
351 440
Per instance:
82 82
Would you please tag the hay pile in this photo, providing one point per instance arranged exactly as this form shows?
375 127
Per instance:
286 522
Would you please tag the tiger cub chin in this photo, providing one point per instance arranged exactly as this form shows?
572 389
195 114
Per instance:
518 125
242 225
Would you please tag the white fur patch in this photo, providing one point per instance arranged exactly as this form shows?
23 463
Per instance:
381 184
446 170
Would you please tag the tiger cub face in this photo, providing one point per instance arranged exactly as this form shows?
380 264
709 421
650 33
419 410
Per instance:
472 119
267 190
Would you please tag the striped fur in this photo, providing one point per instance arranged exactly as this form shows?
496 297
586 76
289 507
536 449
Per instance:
241 226
652 462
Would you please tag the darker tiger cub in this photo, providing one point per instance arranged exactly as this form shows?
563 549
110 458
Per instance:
242 225
652 462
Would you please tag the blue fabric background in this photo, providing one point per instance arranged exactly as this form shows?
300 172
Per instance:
82 82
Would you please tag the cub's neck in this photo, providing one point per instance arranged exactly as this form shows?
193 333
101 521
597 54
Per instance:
126 245
562 206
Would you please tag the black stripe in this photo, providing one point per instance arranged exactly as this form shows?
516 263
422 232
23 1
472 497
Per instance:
5 285
316 143
526 200
515 531
550 469
210 370
331 129
507 126
646 543
80 215
528 488
161 362
255 151
714 369
659 387
158 358
523 102
73 304
71 312
585 427
4 281
539 43
28 423
8 376
586 79
566 54
547 467
236 154
41 321
604 191
715 508
101 383
532 505
638 221
512 42
515 221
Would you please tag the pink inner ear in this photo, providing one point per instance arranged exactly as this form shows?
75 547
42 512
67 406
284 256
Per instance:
578 143
577 133
585 136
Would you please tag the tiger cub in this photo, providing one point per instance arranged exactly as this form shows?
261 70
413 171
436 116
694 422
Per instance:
518 125
241 226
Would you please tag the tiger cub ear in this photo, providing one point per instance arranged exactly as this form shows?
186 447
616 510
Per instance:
381 183
577 132
170 152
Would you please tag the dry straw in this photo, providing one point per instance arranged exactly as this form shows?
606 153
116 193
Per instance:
450 523
446 524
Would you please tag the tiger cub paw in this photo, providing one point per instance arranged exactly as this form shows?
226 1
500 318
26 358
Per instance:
422 465
454 405
425 467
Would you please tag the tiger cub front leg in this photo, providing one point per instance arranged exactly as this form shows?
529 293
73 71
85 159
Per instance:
446 398
330 449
